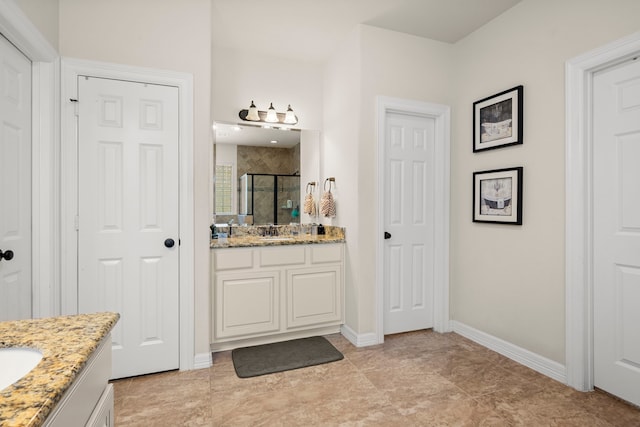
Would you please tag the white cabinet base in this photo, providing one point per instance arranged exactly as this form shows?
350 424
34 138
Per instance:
270 338
86 398
261 295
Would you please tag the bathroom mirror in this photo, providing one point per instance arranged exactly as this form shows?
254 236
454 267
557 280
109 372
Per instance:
256 174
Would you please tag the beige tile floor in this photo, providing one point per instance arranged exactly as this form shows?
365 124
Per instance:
414 379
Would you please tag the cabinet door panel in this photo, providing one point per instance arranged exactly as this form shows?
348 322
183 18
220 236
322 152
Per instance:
314 296
326 253
232 259
246 304
286 255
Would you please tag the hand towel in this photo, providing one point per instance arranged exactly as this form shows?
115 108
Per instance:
309 205
327 205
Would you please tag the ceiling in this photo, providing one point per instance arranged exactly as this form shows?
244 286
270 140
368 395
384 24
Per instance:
311 30
226 133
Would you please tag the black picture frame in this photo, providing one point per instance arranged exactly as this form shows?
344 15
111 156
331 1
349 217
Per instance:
497 196
497 120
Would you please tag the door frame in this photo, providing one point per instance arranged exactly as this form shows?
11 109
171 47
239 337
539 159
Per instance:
71 69
442 116
579 327
45 146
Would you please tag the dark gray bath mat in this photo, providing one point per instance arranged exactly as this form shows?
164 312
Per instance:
283 356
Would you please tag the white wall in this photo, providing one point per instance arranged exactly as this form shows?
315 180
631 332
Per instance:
370 62
44 15
339 159
166 35
238 77
509 281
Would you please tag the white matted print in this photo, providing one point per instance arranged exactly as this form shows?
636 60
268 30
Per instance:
497 196
497 120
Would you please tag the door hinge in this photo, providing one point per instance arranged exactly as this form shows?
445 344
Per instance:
75 106
76 222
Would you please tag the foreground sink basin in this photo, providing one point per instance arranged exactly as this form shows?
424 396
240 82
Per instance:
15 363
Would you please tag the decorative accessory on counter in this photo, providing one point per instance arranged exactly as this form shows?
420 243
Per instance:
327 204
309 202
269 116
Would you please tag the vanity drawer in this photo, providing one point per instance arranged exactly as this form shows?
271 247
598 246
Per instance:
285 255
232 259
326 253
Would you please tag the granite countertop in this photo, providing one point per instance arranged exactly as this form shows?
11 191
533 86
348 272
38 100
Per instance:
278 235
247 241
66 343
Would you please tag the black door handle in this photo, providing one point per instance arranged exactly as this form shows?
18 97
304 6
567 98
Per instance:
8 255
169 243
387 235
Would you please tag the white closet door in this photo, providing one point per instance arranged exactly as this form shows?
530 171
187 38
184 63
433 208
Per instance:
616 208
15 183
409 219
128 218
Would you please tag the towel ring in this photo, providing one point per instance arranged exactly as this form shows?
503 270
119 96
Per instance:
329 180
311 184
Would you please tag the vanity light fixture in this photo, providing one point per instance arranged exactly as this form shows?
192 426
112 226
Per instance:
272 116
269 116
289 117
252 114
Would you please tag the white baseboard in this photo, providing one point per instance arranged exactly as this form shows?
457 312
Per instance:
538 363
202 361
359 340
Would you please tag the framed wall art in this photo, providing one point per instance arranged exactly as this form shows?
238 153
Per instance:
497 120
497 196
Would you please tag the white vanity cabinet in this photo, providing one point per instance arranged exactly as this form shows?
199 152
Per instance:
89 400
270 293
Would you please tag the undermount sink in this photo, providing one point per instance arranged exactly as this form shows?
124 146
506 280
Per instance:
276 239
15 363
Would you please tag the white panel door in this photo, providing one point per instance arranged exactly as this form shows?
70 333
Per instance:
15 183
128 211
409 219
616 209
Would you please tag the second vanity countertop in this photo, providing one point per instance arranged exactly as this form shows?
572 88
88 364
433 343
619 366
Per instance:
66 343
248 241
243 237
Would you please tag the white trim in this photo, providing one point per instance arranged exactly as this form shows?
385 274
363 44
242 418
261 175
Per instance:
359 340
525 357
71 69
46 189
442 116
19 30
578 216
202 360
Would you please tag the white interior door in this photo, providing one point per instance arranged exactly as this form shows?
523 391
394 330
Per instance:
128 218
616 209
15 183
409 221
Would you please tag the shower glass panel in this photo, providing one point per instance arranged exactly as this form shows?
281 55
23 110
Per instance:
271 199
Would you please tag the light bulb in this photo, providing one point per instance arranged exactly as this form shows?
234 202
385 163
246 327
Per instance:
253 113
290 118
272 116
